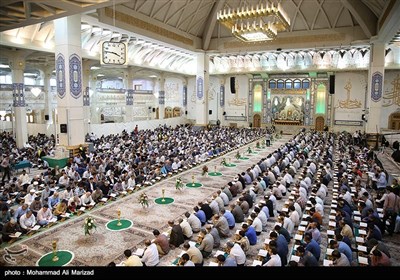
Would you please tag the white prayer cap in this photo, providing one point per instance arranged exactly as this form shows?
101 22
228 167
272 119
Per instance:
36 183
32 190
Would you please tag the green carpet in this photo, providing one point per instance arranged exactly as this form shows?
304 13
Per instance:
195 185
244 158
215 173
230 165
125 224
167 200
64 258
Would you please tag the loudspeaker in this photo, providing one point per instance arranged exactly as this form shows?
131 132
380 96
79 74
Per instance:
332 84
209 112
224 113
185 112
154 109
233 89
46 117
63 128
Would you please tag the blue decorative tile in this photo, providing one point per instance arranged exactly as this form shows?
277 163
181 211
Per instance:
75 76
376 86
60 75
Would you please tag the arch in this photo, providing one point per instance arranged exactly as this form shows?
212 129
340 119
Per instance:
394 121
168 112
256 120
319 123
177 112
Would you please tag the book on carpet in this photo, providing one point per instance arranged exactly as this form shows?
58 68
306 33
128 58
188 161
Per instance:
139 252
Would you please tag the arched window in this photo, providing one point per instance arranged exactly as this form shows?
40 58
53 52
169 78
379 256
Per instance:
296 84
257 102
272 84
306 84
320 102
281 84
288 84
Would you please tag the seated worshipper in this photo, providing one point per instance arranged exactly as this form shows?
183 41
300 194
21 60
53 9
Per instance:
30 197
9 229
214 232
339 259
194 253
44 216
150 256
281 230
184 260
379 258
87 201
53 200
131 260
193 221
161 242
186 229
275 259
27 221
312 246
20 211
250 233
61 209
176 236
206 241
73 204
200 215
221 224
242 240
237 213
97 195
235 251
306 257
5 215
223 261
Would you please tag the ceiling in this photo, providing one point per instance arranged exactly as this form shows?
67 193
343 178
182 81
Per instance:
166 34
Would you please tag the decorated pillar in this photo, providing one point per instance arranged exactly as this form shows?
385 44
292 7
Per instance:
48 95
20 128
86 95
375 88
70 117
161 97
184 97
95 117
222 98
202 87
128 85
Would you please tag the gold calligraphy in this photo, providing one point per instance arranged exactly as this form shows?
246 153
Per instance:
349 103
393 97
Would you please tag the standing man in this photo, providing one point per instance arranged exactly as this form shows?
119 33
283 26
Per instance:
5 164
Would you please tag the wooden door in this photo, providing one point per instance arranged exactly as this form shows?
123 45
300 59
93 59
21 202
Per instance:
394 121
319 123
256 120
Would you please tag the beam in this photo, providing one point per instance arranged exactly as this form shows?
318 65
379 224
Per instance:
363 15
210 23
389 23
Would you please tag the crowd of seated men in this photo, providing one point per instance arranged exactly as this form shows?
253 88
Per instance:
119 164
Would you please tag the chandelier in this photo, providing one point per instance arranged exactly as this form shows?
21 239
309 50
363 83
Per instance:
251 24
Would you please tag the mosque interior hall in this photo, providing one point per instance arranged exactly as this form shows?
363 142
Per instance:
122 120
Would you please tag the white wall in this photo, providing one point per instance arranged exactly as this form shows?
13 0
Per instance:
358 83
173 88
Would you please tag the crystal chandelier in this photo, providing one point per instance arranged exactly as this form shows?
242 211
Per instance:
251 24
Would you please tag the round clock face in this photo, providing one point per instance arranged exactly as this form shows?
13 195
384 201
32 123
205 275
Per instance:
113 53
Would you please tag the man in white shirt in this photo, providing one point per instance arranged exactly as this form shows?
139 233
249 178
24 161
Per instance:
24 178
30 197
186 228
27 221
150 256
87 200
44 215
236 252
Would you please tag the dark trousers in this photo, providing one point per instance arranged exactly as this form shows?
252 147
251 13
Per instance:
6 172
391 216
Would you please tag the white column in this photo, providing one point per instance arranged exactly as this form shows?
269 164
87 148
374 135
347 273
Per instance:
69 80
20 129
202 87
86 95
128 85
161 97
48 96
94 114
375 87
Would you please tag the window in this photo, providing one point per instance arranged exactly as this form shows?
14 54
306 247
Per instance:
288 84
306 84
257 104
320 103
281 84
272 84
296 84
